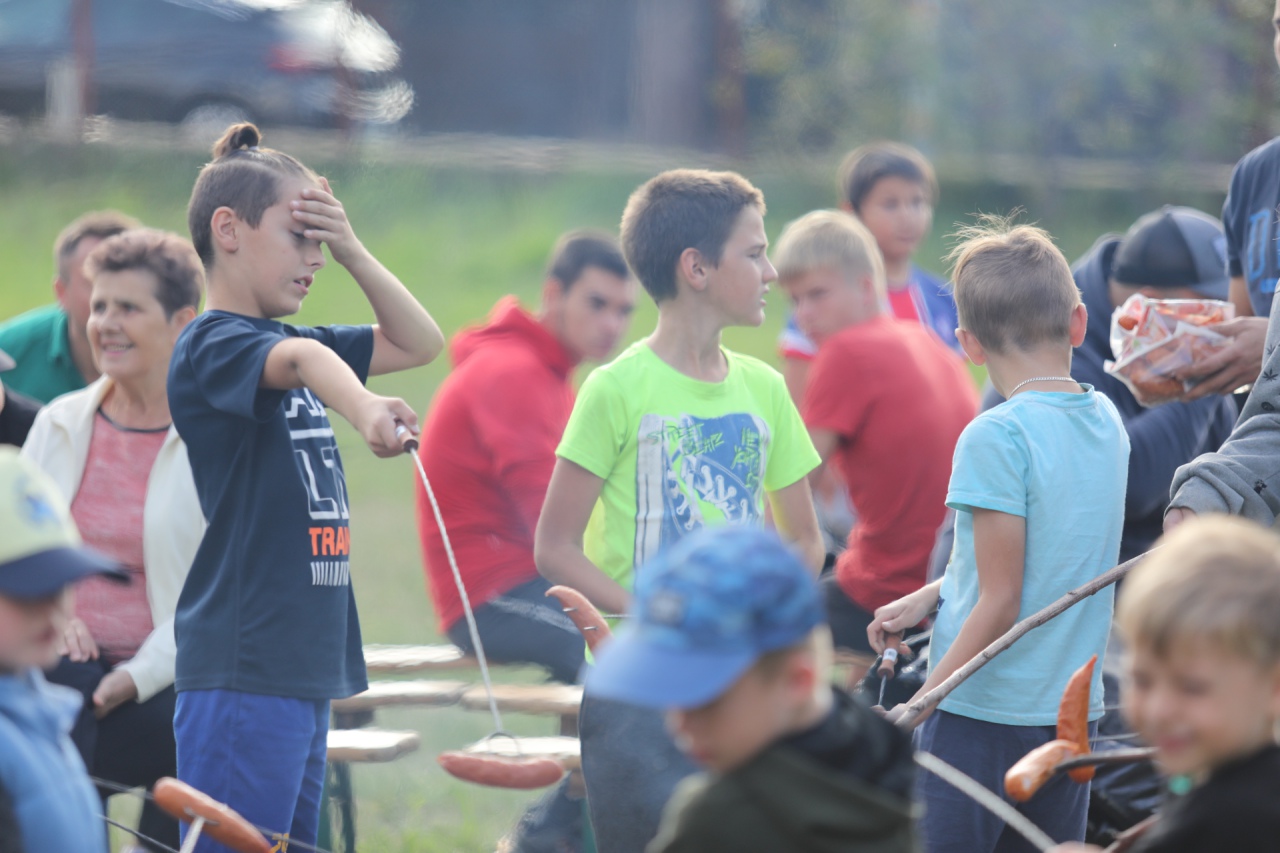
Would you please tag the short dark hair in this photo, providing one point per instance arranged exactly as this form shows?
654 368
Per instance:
170 258
582 248
678 210
867 165
241 176
96 225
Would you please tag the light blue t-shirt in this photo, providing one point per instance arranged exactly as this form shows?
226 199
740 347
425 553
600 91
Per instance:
1061 462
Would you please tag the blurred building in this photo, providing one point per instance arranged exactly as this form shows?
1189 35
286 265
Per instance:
652 71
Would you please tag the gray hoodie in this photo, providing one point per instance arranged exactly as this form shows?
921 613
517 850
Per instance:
1243 477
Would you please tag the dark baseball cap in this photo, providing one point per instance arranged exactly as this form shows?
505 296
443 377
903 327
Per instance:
1174 247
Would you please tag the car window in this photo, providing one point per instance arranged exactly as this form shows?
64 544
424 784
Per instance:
34 23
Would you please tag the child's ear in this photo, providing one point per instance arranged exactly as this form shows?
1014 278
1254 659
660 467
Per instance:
225 229
971 346
1079 325
692 267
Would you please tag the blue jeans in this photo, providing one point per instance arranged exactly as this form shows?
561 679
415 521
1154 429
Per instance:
953 823
261 755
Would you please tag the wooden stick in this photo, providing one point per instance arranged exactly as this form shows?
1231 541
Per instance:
930 700
992 802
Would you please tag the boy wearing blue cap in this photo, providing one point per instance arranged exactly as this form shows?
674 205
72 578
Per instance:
43 785
727 634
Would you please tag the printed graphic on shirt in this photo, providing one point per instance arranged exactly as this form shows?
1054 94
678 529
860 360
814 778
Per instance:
693 471
1262 252
316 453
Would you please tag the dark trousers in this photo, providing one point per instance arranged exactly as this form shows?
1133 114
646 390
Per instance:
524 626
630 766
132 746
953 823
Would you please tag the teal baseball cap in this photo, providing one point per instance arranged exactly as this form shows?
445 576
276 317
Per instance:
704 611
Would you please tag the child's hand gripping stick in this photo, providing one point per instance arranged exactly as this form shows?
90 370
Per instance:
407 439
888 663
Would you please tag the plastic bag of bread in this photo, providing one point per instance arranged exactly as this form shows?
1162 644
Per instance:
1153 339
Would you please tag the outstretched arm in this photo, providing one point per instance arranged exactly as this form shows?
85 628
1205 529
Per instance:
557 545
405 335
307 363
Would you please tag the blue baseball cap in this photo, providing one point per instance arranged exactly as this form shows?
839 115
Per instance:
704 611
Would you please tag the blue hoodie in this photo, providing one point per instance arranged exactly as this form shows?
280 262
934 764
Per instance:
41 770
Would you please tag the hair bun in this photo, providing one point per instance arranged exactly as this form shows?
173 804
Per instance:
238 137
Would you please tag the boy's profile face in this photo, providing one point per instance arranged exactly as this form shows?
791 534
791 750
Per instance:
826 300
755 711
738 284
278 261
591 317
31 631
898 214
1201 705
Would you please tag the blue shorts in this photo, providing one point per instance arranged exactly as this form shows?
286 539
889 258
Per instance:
953 823
261 755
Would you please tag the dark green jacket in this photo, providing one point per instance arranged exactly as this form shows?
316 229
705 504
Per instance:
785 800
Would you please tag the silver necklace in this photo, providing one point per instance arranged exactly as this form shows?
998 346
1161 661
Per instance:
1015 388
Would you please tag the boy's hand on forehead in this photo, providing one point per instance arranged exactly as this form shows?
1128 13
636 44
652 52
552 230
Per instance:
324 218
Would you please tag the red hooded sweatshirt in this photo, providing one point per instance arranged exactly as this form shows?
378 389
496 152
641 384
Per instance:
488 447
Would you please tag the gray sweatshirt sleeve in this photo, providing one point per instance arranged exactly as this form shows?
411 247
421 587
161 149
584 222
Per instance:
1243 477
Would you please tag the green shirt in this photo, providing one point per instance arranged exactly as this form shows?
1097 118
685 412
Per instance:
677 454
37 341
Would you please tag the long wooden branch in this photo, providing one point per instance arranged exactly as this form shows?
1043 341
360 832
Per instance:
931 699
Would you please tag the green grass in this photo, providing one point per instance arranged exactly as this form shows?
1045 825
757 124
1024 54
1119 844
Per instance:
459 239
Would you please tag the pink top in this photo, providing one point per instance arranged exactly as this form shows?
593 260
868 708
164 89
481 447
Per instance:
108 511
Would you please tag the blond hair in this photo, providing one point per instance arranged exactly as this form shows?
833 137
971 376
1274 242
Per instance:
1214 579
829 239
1013 287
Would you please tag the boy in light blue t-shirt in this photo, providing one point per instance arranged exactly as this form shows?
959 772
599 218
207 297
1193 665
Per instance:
1038 484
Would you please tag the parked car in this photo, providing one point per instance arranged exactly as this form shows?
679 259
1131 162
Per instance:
209 62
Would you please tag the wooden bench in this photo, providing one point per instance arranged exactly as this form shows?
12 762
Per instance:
356 746
566 750
392 660
348 746
431 694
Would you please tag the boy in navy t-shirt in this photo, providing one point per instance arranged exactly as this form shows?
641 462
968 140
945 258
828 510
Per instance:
266 624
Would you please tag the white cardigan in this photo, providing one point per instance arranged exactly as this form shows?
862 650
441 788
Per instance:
172 522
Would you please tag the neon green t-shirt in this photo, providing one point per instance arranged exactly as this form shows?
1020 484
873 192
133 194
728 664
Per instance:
677 454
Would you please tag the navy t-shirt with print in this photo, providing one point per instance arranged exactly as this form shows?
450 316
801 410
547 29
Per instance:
268 606
1249 217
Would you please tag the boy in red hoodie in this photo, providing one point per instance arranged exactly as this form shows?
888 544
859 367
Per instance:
488 447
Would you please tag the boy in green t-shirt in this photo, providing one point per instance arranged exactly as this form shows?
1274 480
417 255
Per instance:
676 434
679 433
